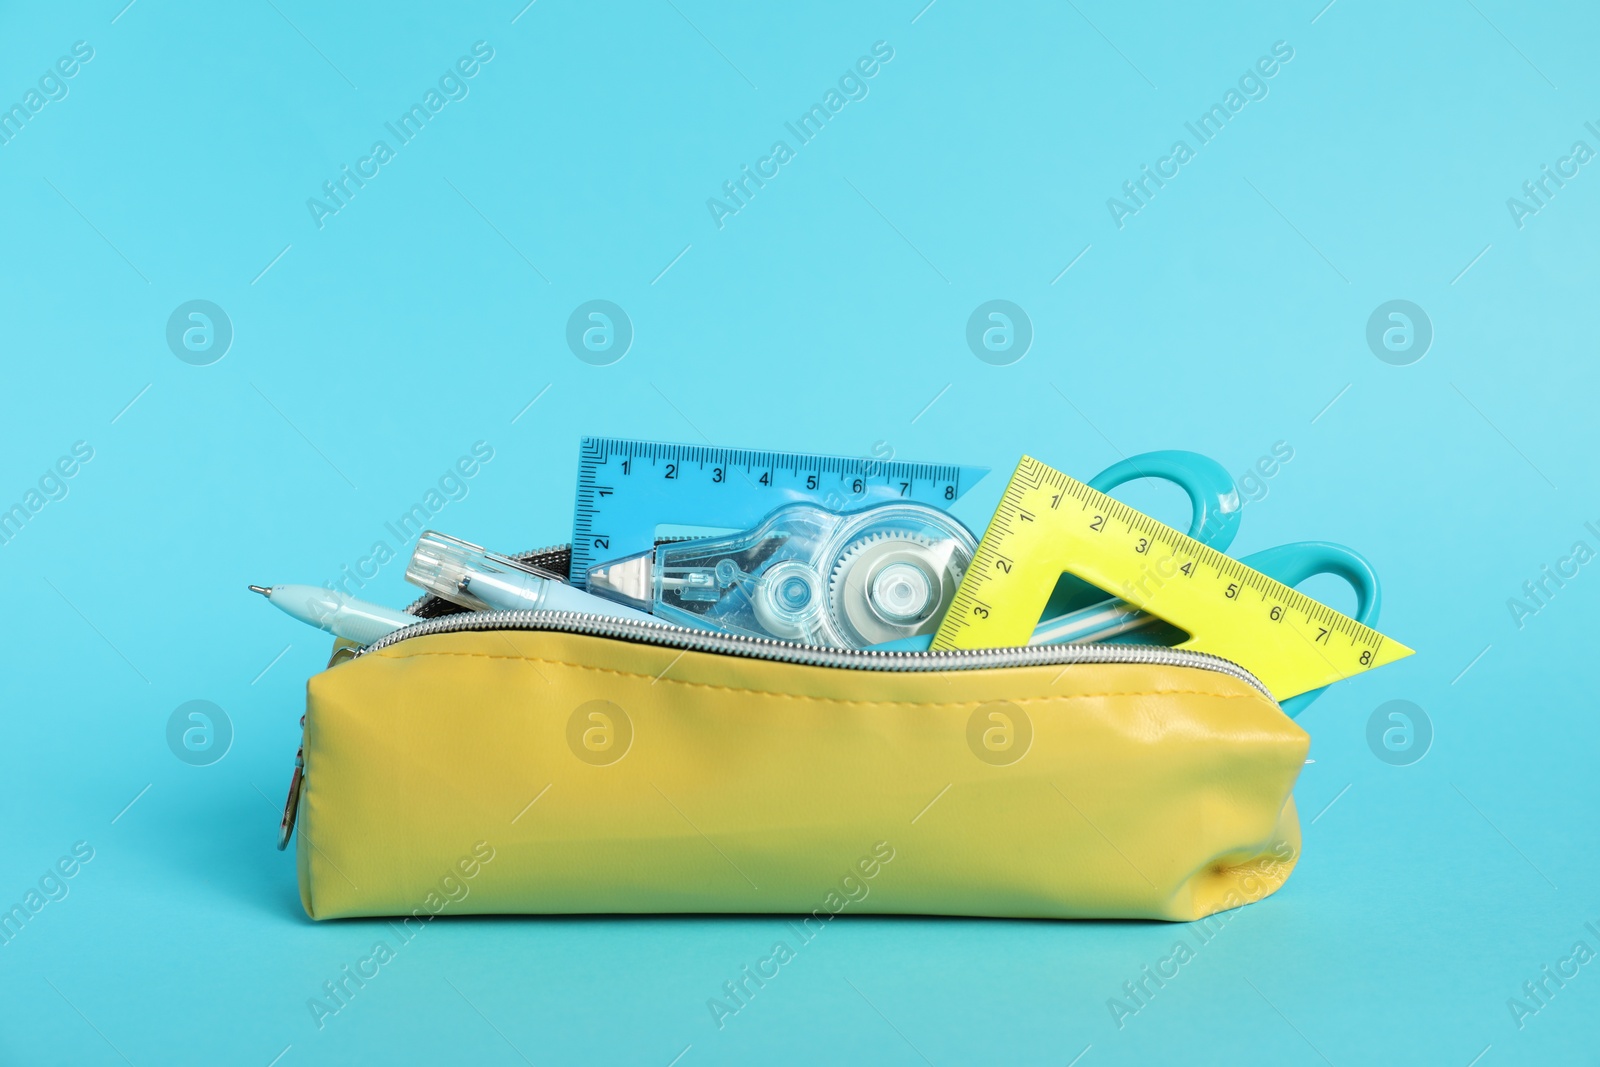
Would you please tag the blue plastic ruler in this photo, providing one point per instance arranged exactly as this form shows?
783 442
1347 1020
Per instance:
626 489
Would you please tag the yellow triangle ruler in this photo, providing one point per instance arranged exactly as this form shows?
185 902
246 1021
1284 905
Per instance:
1049 523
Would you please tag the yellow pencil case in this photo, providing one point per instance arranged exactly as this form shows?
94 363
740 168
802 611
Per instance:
543 763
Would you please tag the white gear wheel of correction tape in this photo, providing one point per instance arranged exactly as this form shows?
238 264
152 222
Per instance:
893 570
892 584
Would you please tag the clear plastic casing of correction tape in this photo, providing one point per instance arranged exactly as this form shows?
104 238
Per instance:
805 574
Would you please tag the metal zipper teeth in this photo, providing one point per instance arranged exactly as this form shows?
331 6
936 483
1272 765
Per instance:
660 633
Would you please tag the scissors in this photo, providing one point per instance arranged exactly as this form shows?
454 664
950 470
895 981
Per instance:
1079 612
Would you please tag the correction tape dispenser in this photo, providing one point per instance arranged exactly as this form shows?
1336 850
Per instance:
805 574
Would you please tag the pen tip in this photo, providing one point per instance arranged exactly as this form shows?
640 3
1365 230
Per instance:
263 590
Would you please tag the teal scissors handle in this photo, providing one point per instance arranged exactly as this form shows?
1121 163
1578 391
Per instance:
1290 564
1214 511
1293 563
1080 612
1215 517
1214 521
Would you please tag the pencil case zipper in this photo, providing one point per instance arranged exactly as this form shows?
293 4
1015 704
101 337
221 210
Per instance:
691 640
555 558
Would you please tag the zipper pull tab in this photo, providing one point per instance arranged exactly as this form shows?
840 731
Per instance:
291 804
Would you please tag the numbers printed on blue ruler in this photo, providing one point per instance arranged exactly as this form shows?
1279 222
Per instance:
626 489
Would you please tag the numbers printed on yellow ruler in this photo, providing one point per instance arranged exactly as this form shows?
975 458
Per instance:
1048 523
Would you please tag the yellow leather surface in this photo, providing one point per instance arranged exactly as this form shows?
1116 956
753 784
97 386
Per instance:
713 783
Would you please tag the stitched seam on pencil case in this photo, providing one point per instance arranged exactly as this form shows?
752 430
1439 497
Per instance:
826 700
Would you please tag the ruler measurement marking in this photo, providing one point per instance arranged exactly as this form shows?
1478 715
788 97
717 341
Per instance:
1305 615
865 480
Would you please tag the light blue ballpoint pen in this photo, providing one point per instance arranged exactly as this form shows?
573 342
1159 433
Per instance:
464 573
338 613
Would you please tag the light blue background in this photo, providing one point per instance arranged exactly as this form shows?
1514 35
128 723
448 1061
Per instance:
825 316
